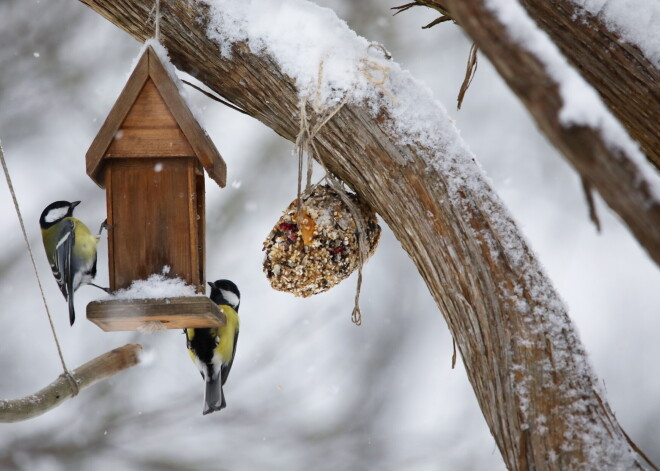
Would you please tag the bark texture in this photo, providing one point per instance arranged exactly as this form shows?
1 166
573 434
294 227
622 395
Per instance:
61 389
523 358
626 81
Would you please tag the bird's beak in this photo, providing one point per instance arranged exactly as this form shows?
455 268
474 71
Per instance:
211 284
74 204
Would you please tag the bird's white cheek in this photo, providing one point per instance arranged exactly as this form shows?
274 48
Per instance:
55 214
230 297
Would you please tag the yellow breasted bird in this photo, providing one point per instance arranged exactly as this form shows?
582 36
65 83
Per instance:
70 248
213 349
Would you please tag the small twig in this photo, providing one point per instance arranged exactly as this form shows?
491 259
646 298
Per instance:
588 193
60 390
470 72
402 8
214 97
430 4
437 21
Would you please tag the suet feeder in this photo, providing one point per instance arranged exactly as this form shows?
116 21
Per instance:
150 156
314 247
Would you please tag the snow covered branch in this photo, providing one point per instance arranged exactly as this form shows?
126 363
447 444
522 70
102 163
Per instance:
614 59
612 45
61 389
566 110
398 148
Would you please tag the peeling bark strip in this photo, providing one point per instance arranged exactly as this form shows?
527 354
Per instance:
522 355
607 170
61 389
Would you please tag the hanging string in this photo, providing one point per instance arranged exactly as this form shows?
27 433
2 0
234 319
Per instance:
377 75
67 373
305 144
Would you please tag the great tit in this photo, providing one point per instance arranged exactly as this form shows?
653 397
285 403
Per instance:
70 248
213 349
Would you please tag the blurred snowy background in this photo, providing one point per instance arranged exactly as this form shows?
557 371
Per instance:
308 389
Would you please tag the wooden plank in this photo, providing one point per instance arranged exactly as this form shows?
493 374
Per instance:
204 148
109 191
171 313
149 110
201 225
96 151
192 225
141 142
150 206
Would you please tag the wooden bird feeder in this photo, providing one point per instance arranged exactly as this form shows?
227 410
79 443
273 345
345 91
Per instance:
150 156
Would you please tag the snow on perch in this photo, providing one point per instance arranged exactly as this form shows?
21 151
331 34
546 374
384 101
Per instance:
311 253
157 286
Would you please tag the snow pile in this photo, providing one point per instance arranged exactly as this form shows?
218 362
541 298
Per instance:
581 103
300 36
157 286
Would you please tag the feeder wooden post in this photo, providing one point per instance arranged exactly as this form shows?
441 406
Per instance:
150 156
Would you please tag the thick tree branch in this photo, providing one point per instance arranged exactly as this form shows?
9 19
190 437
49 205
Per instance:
523 358
607 170
61 389
628 82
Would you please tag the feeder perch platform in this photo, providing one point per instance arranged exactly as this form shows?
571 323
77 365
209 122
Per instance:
171 313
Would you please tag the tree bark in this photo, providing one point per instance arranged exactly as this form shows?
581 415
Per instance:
61 389
628 88
522 355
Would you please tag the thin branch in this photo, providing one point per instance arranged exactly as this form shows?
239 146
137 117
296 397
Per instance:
436 5
402 8
60 390
588 194
437 21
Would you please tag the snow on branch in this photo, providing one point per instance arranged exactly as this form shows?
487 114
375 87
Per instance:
568 111
61 389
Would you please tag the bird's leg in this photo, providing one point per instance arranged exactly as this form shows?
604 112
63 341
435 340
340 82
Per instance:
107 290
104 225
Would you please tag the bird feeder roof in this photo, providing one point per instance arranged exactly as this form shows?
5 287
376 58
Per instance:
151 67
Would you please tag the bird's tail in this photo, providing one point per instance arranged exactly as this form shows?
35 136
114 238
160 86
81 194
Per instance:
214 399
72 312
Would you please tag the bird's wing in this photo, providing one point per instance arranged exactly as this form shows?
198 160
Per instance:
63 253
226 367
